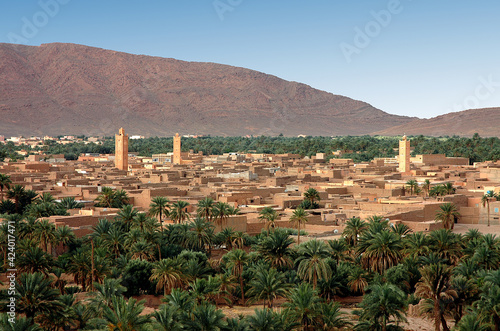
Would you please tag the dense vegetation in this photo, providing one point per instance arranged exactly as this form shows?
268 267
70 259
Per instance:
197 271
363 148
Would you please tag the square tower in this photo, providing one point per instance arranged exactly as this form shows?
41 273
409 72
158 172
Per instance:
177 149
404 155
121 150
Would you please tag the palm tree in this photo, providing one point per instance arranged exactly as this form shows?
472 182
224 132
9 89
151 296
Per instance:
45 197
236 261
70 203
312 261
447 214
268 285
416 244
125 315
201 234
489 306
358 280
221 211
312 195
269 215
106 198
168 274
299 216
449 189
166 319
45 232
35 295
412 185
302 305
104 293
265 320
205 208
276 249
436 288
381 252
17 193
485 201
426 186
206 317
179 212
383 303
472 322
159 207
64 235
5 182
354 227
446 244
34 260
120 199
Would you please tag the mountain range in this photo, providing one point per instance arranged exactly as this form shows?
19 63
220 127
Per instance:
59 88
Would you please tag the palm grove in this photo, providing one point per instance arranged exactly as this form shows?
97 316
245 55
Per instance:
455 278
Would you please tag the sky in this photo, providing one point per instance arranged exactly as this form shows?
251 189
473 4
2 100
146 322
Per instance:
420 58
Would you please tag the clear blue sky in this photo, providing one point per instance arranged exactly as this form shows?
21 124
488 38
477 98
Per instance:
425 58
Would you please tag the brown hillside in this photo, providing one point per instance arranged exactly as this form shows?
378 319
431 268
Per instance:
73 89
485 121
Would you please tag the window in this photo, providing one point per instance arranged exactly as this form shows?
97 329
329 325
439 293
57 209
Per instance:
496 210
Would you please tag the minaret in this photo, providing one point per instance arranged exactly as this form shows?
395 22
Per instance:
404 155
177 149
121 150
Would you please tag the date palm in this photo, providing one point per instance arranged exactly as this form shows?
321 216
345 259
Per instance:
160 207
201 234
220 212
126 215
276 249
435 287
269 216
45 232
268 285
447 214
17 193
381 252
206 317
237 259
70 203
34 260
35 295
312 261
178 212
166 319
125 315
64 235
299 217
426 186
312 195
411 185
446 244
168 274
302 305
354 227
383 305
5 182
416 245
485 202
205 208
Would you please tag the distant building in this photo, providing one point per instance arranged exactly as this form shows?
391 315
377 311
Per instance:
177 149
121 150
404 155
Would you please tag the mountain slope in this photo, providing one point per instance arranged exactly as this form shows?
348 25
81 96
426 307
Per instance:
484 121
74 89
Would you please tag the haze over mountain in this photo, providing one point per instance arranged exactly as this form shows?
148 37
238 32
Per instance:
485 121
73 89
